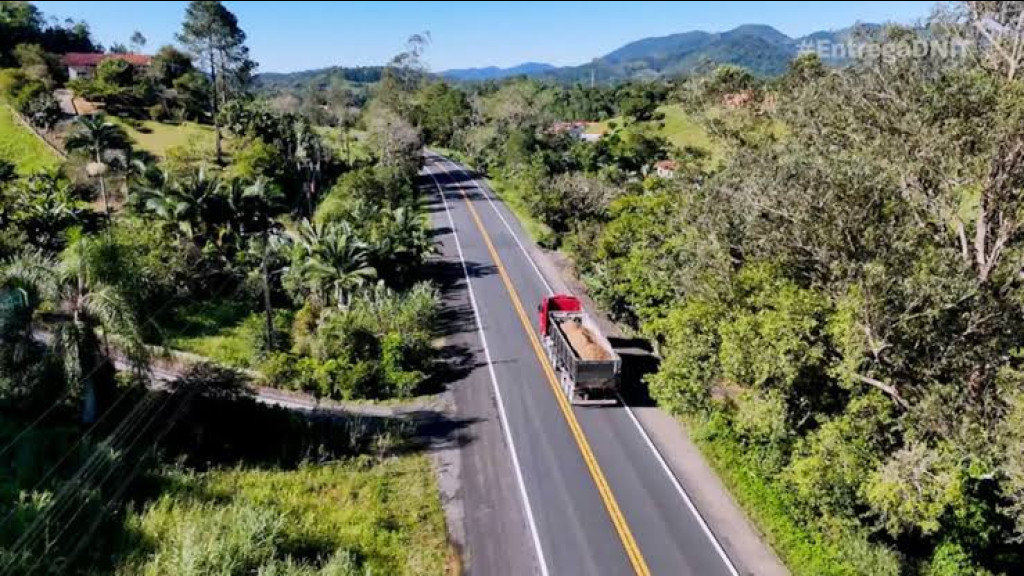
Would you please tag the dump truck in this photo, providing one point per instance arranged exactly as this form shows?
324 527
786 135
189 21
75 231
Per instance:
584 361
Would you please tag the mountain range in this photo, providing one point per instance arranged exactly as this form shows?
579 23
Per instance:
760 48
494 72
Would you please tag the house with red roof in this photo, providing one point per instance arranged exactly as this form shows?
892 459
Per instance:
666 168
83 64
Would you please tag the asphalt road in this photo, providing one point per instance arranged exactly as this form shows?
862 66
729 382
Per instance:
576 490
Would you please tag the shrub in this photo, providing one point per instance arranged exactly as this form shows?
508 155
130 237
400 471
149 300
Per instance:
42 111
25 92
378 347
157 112
950 559
399 381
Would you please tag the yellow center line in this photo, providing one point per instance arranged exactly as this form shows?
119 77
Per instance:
618 520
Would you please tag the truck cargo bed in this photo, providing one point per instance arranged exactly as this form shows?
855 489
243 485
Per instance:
582 340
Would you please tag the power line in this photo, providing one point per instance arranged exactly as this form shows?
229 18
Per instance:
84 477
81 439
127 480
91 373
69 522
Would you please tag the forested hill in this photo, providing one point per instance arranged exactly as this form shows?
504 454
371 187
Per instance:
320 77
759 48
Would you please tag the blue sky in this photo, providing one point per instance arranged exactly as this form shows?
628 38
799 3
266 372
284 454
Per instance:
287 36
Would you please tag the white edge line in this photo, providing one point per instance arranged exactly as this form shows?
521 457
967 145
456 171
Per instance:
506 426
647 439
508 226
679 488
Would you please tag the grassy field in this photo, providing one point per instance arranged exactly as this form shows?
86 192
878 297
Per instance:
230 346
216 330
360 516
21 147
679 128
157 137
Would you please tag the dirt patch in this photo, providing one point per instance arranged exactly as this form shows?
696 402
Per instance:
583 342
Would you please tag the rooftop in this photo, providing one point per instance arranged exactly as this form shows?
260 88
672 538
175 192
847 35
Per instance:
83 59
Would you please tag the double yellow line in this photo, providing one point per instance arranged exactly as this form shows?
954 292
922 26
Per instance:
618 520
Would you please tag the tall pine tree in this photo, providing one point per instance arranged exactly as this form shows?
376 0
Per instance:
212 34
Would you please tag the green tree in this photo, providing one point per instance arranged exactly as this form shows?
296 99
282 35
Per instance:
168 64
211 33
192 90
96 137
441 112
87 304
329 264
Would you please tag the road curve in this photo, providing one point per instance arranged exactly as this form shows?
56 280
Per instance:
595 496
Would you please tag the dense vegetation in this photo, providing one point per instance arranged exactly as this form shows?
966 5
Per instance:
303 261
836 299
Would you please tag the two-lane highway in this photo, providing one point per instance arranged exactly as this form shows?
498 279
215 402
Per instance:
596 497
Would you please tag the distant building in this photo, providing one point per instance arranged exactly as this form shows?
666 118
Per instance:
83 64
666 168
585 131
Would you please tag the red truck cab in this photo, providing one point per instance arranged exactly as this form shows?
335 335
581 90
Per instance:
556 303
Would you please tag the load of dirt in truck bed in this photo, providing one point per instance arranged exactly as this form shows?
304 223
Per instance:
583 342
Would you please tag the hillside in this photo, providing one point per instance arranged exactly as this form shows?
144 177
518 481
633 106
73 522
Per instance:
19 146
759 48
320 77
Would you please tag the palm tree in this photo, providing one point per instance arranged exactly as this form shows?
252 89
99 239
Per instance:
309 154
185 201
84 305
253 206
399 242
331 262
96 137
134 172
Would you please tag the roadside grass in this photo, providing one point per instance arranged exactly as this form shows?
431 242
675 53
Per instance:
363 515
158 138
539 232
21 147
